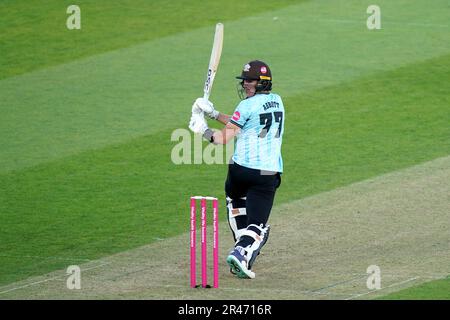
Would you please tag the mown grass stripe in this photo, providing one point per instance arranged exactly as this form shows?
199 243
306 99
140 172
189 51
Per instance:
34 34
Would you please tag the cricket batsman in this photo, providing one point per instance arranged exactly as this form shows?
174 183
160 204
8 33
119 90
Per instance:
254 172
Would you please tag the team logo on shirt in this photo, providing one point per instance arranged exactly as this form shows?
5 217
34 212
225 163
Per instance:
236 116
263 70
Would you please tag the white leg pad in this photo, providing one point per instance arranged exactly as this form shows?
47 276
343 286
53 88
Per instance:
252 250
234 213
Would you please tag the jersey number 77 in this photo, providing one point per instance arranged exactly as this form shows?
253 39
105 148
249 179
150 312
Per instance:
266 120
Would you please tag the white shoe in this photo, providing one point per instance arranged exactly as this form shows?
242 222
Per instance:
238 264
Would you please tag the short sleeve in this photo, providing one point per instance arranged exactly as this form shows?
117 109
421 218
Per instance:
241 114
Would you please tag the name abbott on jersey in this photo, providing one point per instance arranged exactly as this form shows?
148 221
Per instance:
271 104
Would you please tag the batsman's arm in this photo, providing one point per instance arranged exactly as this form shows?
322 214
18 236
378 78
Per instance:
223 118
222 136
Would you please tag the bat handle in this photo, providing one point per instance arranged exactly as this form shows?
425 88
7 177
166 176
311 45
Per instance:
206 96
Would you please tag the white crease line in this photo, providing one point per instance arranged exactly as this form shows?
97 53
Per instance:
51 279
46 258
336 284
29 285
372 291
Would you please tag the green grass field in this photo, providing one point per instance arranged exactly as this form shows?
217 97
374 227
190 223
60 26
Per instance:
433 290
87 115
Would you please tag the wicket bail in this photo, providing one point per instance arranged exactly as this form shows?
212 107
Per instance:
193 229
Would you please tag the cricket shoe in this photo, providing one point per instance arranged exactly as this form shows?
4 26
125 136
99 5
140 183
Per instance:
238 264
233 270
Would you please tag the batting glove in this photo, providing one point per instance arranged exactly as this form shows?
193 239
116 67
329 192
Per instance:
205 106
198 123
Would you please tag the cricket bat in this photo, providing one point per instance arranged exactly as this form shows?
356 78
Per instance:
214 60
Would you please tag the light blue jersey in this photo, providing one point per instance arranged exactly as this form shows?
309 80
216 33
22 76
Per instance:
258 145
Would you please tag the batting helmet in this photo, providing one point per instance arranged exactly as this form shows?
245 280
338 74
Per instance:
257 70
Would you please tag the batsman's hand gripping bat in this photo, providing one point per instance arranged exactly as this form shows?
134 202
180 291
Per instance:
214 60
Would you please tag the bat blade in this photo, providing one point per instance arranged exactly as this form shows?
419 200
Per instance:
214 60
